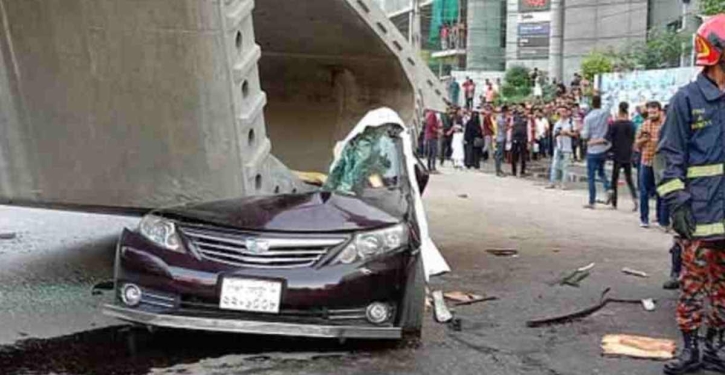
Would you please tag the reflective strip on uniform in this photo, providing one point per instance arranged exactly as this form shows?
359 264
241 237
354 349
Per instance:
706 230
705 171
669 187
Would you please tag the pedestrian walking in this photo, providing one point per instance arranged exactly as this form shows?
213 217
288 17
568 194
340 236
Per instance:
469 90
621 135
542 129
458 156
447 120
519 141
502 127
564 133
454 91
432 129
647 140
473 138
596 128
487 125
692 152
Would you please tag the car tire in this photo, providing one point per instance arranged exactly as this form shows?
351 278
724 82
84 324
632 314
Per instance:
413 306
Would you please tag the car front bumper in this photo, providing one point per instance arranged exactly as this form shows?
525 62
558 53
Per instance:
248 326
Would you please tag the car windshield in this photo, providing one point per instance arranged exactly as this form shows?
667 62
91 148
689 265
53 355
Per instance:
370 161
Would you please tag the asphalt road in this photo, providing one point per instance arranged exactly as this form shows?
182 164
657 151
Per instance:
49 323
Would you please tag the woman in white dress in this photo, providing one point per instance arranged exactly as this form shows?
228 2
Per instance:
458 154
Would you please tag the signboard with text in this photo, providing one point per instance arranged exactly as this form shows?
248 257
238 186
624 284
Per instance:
534 5
534 29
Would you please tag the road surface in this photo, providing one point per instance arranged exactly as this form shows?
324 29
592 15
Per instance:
46 272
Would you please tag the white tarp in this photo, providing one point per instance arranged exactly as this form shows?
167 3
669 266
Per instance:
433 261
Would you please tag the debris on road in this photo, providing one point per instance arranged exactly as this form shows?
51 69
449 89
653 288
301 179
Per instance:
632 272
440 310
503 252
576 276
638 347
464 196
458 296
604 300
8 235
483 299
648 304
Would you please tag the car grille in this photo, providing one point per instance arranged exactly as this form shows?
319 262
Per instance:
250 250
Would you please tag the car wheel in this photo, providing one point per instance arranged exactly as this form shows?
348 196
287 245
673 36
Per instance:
413 305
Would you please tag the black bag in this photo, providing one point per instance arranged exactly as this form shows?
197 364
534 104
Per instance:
478 142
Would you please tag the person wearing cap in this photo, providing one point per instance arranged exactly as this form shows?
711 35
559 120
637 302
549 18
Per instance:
689 163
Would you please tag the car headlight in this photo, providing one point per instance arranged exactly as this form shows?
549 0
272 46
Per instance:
160 231
369 244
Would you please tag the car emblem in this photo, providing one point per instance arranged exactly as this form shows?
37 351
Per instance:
256 246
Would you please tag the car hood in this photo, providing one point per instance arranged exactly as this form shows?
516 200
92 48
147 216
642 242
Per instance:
310 212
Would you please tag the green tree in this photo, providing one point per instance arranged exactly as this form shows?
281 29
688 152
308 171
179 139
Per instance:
662 49
712 7
596 62
517 84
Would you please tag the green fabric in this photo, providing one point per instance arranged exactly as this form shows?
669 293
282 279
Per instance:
362 157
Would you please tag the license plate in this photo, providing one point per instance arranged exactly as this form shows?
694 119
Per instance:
250 295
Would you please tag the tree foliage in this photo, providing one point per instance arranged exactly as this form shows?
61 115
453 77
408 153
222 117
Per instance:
712 7
596 62
662 49
517 82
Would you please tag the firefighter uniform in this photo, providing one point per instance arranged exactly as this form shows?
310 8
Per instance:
691 144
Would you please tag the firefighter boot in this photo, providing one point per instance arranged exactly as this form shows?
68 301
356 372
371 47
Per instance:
710 359
689 359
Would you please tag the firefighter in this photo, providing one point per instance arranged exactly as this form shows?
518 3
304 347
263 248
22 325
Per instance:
692 155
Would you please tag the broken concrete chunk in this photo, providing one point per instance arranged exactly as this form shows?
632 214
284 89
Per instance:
632 272
648 304
638 347
440 310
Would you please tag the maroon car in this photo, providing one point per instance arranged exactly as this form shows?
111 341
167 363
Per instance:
343 261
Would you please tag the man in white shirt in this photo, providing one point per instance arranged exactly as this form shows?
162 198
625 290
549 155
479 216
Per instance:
564 132
542 128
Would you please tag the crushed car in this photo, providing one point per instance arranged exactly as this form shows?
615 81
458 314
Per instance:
347 260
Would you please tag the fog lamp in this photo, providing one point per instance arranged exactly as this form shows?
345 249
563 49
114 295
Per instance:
377 312
131 294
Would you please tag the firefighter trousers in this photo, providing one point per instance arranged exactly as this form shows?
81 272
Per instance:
702 277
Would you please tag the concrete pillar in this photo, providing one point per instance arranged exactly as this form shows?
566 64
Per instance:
556 45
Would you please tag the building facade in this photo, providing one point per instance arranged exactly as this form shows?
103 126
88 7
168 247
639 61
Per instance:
552 35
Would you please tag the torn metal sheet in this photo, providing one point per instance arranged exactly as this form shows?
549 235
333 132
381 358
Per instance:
433 261
638 347
604 300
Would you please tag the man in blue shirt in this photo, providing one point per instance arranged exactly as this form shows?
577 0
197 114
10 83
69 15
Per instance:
596 127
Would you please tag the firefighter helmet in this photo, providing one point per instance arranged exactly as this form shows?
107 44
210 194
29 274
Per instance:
710 41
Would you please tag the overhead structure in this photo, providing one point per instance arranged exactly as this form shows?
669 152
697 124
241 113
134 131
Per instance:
121 103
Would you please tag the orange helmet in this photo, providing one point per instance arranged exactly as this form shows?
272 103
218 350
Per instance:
710 41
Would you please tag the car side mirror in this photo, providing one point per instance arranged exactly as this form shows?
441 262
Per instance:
421 176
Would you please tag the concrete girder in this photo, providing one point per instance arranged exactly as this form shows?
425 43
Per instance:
130 103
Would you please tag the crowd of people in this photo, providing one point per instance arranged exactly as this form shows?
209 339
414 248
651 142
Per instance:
679 161
453 36
567 129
